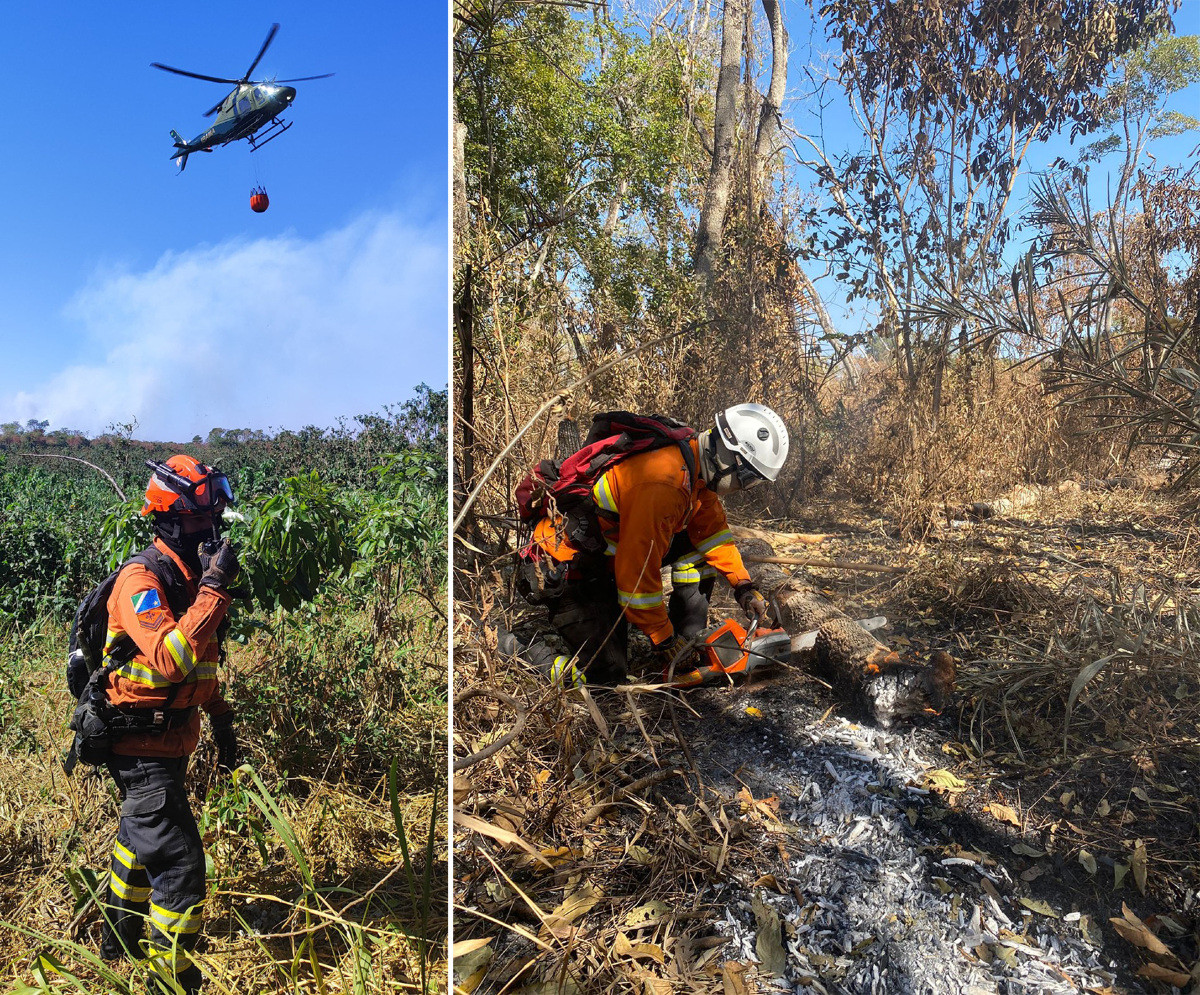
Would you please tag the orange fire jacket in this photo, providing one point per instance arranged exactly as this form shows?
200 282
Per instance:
643 503
170 651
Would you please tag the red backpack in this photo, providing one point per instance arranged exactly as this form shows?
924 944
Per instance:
566 485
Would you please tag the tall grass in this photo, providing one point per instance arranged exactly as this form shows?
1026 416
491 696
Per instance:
332 947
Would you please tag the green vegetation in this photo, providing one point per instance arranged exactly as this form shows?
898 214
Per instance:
324 855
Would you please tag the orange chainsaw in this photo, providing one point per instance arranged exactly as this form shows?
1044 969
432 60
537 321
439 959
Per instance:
729 650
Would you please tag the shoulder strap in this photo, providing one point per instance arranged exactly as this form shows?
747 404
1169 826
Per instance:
167 573
689 460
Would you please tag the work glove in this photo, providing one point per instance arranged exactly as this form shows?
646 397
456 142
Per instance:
226 740
680 650
218 568
751 601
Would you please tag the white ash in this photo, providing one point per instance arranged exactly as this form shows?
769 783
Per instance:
870 916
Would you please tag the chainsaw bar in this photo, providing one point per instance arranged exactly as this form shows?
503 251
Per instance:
728 650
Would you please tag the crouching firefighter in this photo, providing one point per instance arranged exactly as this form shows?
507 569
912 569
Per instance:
138 713
642 493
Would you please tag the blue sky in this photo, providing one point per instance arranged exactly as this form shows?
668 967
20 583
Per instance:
134 292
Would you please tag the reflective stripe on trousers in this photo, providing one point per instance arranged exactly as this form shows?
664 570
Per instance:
157 869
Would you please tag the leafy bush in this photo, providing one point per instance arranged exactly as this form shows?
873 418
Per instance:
299 538
44 566
327 695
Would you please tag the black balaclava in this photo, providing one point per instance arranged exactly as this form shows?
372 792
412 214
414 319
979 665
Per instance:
186 547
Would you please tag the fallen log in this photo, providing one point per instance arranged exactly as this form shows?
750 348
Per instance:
862 670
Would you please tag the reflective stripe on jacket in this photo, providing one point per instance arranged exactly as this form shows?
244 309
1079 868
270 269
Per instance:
170 651
642 503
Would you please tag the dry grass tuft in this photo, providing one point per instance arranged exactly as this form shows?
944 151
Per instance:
958 590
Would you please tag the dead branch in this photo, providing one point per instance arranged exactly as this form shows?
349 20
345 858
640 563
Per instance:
75 459
462 763
558 398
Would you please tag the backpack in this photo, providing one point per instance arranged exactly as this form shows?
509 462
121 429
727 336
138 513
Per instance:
565 486
96 722
89 630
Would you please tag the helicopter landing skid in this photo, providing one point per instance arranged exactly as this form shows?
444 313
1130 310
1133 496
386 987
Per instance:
276 129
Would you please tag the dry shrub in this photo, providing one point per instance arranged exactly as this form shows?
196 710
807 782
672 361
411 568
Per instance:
1110 697
882 445
1102 656
956 590
1104 689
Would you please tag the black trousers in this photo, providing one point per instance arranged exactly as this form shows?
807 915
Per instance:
592 622
157 870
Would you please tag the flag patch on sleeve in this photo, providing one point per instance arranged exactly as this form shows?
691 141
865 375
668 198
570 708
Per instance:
150 612
145 601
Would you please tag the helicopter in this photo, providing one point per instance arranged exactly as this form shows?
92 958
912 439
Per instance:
249 107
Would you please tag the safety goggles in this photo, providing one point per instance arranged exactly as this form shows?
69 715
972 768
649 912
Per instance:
219 487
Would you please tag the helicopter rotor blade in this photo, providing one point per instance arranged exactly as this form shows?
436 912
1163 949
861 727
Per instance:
301 79
215 107
261 52
184 72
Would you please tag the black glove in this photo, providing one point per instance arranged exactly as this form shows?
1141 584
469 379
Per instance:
226 740
218 568
751 601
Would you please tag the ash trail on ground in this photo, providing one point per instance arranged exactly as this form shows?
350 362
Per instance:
876 897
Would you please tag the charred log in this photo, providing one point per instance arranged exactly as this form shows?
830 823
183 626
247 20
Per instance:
862 671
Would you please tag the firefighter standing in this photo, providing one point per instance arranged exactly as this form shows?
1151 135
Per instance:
158 859
653 509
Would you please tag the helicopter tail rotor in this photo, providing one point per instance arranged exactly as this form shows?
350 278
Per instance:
182 154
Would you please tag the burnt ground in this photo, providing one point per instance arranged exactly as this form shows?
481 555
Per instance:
985 591
800 848
863 827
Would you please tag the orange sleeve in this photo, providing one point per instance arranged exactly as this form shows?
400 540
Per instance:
709 532
170 647
650 516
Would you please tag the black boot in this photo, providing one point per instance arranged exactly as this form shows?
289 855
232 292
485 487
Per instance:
188 981
121 941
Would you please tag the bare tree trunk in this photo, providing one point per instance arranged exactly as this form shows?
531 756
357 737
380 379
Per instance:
464 326
720 175
810 289
460 183
614 206
769 114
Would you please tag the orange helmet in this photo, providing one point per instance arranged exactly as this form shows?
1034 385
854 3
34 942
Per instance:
185 486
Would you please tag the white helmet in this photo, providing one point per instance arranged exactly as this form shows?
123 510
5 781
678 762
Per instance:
749 445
